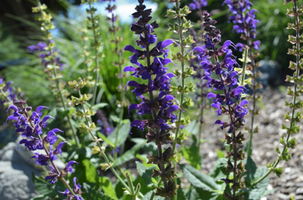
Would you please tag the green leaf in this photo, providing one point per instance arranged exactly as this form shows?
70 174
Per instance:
99 105
123 133
246 146
251 169
203 194
115 118
192 195
149 195
192 128
141 168
252 174
192 155
145 172
90 193
128 155
45 190
90 171
180 192
220 154
198 179
107 187
219 170
105 139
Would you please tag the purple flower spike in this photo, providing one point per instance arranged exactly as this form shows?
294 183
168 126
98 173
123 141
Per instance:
154 87
244 20
198 4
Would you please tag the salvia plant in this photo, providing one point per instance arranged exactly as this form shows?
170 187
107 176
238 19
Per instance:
242 15
145 156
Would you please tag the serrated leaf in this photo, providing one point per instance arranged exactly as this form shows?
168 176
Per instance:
251 169
141 168
198 179
253 174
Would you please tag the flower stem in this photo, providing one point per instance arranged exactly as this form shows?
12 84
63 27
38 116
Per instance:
154 116
62 98
48 154
95 56
292 121
88 121
182 71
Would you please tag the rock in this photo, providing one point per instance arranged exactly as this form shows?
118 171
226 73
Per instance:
15 184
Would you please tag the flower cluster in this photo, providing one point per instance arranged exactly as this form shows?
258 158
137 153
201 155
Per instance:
244 19
222 77
198 4
45 55
162 107
31 127
6 91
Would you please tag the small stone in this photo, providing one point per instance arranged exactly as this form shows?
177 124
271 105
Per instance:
299 191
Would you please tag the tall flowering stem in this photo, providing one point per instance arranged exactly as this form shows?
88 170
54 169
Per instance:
157 101
293 115
89 127
31 127
51 61
119 63
195 64
243 17
223 78
181 27
93 25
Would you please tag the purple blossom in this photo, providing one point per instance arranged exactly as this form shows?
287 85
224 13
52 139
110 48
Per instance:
198 4
243 18
31 127
45 55
226 79
155 73
7 88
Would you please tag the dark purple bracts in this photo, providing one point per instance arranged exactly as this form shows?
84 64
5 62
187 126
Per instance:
153 91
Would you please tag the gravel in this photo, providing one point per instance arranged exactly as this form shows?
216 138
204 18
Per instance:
270 118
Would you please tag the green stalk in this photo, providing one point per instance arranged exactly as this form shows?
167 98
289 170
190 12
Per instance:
103 153
201 118
182 71
95 57
121 82
63 100
297 22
